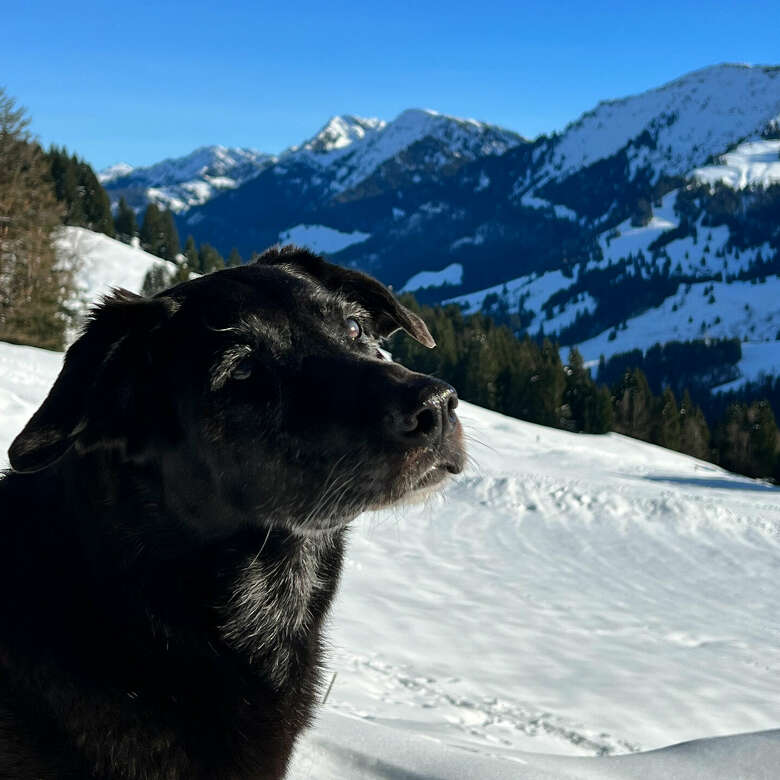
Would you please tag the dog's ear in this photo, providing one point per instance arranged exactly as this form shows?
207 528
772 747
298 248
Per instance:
91 398
388 313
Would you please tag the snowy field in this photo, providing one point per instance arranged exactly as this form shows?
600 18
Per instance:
569 596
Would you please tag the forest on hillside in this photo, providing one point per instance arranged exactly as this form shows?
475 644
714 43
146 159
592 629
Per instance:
636 394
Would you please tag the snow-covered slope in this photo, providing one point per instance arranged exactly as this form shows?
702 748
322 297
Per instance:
570 595
699 115
182 182
752 164
103 263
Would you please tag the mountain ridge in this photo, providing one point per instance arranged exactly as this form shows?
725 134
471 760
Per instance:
614 214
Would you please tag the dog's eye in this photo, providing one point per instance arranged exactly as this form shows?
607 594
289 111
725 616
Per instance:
354 331
243 369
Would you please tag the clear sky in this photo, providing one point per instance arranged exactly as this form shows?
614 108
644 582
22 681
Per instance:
142 81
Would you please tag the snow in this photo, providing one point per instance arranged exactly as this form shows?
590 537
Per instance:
451 275
673 113
532 291
340 132
320 238
744 309
115 172
350 748
753 164
104 263
568 596
360 146
182 182
562 212
483 183
759 359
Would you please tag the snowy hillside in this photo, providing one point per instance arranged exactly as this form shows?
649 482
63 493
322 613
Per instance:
722 305
569 596
687 121
752 164
103 263
180 183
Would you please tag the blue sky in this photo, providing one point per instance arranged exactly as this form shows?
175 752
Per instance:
142 81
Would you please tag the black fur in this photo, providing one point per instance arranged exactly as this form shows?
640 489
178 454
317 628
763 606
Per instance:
172 528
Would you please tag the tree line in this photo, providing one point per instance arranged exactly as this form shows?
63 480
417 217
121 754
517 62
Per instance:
526 378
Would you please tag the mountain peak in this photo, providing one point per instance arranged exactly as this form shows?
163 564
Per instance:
341 131
113 172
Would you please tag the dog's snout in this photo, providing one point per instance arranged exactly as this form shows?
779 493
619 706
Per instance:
432 418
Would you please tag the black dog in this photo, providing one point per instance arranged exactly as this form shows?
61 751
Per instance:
172 529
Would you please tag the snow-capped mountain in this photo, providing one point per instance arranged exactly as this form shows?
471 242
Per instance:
338 133
358 147
182 182
600 235
674 128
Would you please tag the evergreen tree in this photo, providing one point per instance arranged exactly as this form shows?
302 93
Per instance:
170 246
34 285
600 415
589 405
634 406
234 260
748 439
694 431
157 279
85 202
191 255
152 230
125 222
209 259
667 421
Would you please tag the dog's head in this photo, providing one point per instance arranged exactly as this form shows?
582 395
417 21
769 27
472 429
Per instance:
254 394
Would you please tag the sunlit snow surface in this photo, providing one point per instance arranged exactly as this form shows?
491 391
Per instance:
320 238
754 164
451 275
569 594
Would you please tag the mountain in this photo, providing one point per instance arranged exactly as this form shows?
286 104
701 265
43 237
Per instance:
183 182
570 598
351 172
635 222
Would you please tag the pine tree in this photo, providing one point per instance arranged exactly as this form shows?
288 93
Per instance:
169 240
634 406
667 421
234 260
97 205
191 255
152 230
209 259
156 280
694 431
125 222
764 439
86 203
34 285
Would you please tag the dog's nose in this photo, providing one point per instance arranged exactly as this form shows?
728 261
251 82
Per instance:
432 419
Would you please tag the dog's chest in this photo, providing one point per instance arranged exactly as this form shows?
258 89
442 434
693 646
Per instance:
277 603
